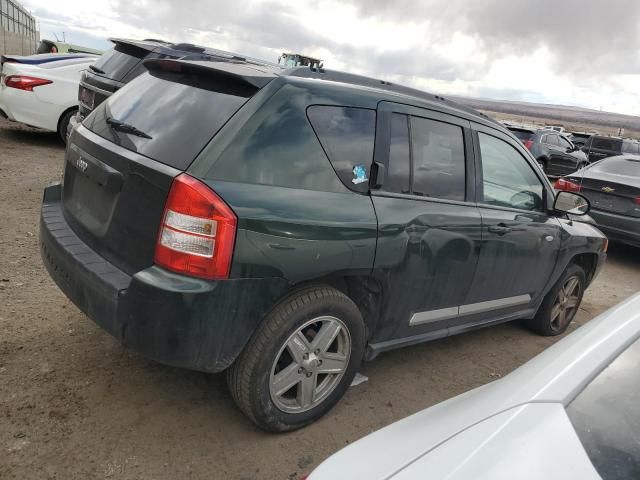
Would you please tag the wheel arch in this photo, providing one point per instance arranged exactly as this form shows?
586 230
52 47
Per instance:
588 261
364 290
64 112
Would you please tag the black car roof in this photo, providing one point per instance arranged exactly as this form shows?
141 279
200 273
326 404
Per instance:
257 75
184 49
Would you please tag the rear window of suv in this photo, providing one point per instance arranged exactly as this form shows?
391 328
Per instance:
522 135
179 117
117 62
604 143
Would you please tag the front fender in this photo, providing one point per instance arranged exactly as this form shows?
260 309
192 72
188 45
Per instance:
578 238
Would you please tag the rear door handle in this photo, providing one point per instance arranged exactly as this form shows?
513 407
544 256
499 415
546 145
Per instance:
500 229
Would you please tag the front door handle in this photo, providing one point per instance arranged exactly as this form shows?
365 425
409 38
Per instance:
500 229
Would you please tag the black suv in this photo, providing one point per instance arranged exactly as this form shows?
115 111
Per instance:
124 62
598 147
285 225
553 151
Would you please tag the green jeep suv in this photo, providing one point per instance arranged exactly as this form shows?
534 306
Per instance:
285 225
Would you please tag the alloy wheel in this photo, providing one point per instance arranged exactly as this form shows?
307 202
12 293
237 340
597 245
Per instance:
310 364
566 303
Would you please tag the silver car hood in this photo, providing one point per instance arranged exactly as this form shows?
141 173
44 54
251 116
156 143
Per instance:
557 375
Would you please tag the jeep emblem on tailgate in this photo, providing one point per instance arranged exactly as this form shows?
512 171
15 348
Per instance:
80 163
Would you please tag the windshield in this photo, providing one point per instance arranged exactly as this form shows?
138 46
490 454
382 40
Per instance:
606 416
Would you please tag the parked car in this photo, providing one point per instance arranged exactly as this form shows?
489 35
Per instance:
612 186
227 216
580 138
124 62
554 152
599 147
571 412
51 46
43 95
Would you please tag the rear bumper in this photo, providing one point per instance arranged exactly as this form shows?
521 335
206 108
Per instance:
618 228
26 107
173 319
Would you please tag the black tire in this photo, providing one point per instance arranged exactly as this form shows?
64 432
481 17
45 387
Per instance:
63 125
546 322
249 378
543 164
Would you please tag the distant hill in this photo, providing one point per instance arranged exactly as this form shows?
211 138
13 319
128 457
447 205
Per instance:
560 113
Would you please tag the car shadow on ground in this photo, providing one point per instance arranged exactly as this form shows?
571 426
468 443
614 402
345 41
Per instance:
626 254
15 132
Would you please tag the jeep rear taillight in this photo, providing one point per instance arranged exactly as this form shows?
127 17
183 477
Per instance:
528 144
198 231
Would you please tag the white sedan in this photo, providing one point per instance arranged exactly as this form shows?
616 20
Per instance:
43 96
571 412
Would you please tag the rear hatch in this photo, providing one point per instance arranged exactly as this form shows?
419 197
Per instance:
612 185
522 134
602 147
121 162
114 68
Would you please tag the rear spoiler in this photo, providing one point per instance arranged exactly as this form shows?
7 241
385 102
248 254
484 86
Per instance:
247 76
41 58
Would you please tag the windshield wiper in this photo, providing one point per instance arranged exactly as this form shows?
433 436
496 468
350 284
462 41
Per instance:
96 69
126 128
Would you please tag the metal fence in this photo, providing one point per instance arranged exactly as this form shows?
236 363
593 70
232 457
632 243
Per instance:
15 19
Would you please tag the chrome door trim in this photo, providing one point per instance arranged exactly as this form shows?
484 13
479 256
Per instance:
429 316
494 304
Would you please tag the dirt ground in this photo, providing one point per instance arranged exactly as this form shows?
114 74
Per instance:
75 405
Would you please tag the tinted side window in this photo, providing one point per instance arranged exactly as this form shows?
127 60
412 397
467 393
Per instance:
398 176
347 135
552 140
508 180
277 146
438 159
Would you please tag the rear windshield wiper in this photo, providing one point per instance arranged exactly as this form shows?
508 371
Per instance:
96 69
126 128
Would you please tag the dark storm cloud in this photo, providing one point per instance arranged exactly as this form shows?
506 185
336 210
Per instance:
257 29
597 37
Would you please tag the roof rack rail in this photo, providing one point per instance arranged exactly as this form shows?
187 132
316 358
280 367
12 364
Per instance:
361 80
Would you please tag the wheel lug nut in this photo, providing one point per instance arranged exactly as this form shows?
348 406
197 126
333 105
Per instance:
309 374
306 356
300 370
317 351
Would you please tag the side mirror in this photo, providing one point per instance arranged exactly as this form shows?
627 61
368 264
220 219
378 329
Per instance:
571 203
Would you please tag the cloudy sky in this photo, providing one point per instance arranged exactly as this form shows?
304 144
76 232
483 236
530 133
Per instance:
571 52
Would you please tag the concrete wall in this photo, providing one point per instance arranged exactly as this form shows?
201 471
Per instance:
16 44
